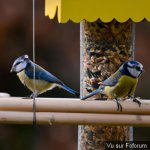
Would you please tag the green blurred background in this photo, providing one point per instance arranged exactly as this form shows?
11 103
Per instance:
57 50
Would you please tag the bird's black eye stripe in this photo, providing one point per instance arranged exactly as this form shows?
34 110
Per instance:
137 68
17 63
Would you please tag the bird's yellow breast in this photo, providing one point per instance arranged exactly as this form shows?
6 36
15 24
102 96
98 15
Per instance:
40 85
126 85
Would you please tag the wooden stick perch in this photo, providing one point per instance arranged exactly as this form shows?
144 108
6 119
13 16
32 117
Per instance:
14 117
73 106
14 110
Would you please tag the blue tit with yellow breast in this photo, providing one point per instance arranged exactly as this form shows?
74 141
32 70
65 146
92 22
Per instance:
44 80
121 84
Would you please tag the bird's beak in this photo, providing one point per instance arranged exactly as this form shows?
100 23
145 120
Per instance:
12 69
142 71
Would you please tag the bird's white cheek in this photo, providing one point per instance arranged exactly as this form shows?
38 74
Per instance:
20 67
134 72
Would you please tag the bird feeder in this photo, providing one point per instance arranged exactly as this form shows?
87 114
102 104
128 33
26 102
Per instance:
106 41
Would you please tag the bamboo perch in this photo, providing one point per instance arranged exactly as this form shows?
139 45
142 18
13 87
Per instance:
13 117
73 105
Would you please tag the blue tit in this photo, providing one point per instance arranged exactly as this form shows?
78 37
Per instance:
44 80
122 83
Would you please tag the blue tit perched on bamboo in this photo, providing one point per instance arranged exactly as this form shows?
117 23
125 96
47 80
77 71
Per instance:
122 83
44 80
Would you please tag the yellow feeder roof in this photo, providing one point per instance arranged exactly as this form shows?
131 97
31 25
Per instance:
91 10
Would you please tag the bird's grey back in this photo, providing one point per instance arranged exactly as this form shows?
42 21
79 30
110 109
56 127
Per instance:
113 79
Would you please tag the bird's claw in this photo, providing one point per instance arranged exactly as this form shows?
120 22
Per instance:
119 106
136 100
29 97
32 96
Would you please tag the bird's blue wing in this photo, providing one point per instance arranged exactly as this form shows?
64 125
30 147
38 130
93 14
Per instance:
113 79
41 74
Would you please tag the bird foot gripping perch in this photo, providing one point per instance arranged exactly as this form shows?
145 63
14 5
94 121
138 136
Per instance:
32 96
136 100
119 106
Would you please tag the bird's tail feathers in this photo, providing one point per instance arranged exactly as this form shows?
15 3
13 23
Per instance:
93 93
70 90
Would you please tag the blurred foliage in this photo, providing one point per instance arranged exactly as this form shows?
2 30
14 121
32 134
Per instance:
57 50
